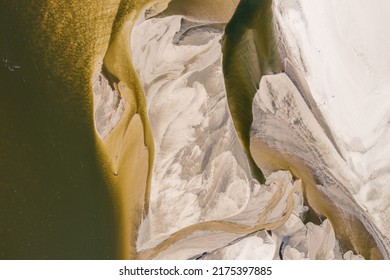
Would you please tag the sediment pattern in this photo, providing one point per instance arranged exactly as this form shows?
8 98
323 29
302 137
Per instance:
166 130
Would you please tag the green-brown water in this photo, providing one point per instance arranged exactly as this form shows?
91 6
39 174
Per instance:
65 193
202 10
249 51
54 200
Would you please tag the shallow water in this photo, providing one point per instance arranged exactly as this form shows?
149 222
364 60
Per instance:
249 51
54 200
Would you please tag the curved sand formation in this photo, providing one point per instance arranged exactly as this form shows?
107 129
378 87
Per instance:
119 154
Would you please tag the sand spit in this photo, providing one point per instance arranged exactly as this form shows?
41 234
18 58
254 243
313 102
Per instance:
108 106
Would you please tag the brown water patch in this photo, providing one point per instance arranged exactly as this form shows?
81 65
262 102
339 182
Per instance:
58 191
249 51
54 200
201 10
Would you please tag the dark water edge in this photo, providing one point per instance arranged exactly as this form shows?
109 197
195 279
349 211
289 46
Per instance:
249 51
54 201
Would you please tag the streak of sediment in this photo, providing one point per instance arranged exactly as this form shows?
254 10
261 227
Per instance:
228 226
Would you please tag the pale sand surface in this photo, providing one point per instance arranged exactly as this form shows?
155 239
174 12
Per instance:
225 226
187 91
285 134
341 49
199 163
